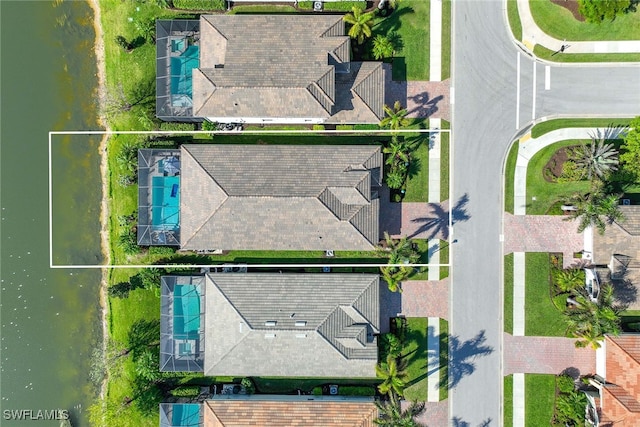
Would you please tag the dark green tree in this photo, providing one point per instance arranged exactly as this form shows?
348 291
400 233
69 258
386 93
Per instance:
392 415
361 23
144 334
596 11
395 117
630 155
382 47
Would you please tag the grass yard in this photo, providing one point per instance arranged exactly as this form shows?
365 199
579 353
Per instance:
509 175
548 54
415 354
541 316
262 8
551 125
445 148
558 22
418 181
514 20
444 358
546 193
411 22
508 401
508 294
446 40
539 394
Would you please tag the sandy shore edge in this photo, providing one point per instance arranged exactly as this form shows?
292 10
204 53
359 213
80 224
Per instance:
104 205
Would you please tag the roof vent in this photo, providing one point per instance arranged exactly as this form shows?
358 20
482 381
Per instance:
270 323
269 335
301 335
301 323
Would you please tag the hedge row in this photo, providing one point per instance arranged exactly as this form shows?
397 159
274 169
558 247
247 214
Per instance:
200 4
339 6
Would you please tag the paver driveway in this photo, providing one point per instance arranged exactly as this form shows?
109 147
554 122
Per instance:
546 355
416 220
425 298
542 233
421 98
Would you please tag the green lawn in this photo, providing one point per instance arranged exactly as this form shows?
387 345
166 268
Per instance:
444 358
546 193
509 175
508 401
262 8
539 394
514 19
415 354
444 259
445 148
548 54
411 22
551 125
541 316
418 181
508 293
446 40
558 22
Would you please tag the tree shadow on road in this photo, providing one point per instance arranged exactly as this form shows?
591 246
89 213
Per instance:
437 224
462 357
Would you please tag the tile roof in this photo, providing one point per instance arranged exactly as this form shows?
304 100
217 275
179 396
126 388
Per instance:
307 325
621 393
279 197
621 238
293 413
284 66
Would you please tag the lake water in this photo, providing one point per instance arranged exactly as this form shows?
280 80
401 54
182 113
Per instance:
49 317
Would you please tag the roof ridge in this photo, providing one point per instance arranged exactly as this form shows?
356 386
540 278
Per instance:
356 86
208 98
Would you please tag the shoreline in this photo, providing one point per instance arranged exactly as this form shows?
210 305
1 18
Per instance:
101 92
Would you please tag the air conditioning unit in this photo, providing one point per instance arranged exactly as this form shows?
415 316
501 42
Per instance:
626 202
317 6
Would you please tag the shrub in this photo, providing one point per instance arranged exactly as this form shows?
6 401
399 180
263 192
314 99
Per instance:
186 391
570 408
366 127
571 172
318 127
317 391
179 126
340 6
162 250
596 11
345 390
344 127
565 383
200 4
389 344
120 290
248 385
128 242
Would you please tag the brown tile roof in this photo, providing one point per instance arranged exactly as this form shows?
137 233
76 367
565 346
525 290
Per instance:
268 66
279 197
620 238
307 413
621 394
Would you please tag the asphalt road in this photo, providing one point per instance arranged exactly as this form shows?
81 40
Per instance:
494 96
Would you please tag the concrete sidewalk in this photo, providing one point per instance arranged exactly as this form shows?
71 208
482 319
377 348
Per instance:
532 35
527 148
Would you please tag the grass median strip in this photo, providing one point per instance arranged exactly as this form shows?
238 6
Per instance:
508 293
550 55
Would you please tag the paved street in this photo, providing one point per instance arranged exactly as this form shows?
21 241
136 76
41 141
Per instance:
498 90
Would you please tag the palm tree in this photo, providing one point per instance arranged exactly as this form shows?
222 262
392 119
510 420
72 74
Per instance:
395 117
598 158
392 415
392 375
361 24
589 321
569 279
399 250
382 47
395 179
394 276
397 151
595 209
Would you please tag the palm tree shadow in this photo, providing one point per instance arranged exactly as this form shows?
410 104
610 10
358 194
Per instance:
459 422
438 222
462 356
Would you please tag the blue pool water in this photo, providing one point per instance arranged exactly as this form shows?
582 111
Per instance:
165 213
186 311
185 415
181 67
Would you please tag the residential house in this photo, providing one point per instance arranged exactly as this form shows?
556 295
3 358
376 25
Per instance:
617 402
617 253
271 411
271 324
260 197
265 69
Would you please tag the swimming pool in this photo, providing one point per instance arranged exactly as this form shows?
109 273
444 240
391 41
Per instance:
185 414
181 66
165 210
186 312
